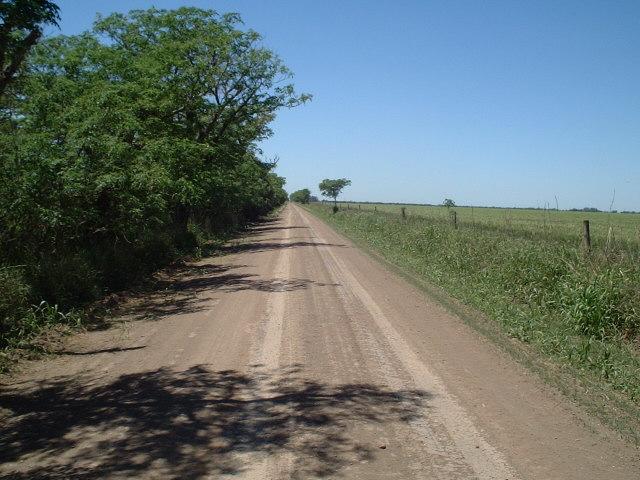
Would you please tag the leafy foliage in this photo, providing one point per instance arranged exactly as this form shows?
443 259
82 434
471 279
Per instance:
20 29
120 142
301 196
333 188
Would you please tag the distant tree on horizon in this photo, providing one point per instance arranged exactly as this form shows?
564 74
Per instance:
448 203
333 188
301 196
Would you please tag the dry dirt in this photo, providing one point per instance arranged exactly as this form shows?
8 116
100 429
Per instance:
293 355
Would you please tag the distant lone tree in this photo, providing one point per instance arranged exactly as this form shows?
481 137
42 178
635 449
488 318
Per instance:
333 188
300 196
449 203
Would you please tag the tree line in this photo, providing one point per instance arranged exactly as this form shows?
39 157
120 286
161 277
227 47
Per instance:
328 187
124 145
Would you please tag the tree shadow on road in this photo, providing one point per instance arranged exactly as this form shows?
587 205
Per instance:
96 352
272 227
262 246
181 293
187 287
192 424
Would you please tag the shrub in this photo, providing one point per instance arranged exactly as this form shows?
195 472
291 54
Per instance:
65 279
14 299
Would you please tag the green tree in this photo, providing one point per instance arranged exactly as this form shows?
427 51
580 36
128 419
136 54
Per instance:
300 196
21 24
150 119
122 142
333 188
448 203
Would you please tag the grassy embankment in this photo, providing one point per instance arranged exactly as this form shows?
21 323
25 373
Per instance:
572 316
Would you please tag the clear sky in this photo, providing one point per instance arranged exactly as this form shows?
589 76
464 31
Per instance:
504 103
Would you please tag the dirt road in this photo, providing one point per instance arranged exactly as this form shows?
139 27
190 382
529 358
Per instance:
294 355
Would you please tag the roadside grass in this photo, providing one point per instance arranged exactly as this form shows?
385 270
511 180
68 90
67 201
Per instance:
573 317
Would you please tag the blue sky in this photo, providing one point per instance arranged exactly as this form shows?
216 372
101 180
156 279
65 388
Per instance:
504 103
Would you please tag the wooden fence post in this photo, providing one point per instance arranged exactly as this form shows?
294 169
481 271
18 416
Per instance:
586 236
404 214
375 208
454 219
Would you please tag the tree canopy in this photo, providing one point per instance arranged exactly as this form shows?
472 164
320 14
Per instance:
21 24
333 188
301 196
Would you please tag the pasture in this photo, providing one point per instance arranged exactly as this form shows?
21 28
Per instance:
614 231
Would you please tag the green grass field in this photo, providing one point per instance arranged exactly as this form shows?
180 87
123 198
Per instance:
527 275
565 226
